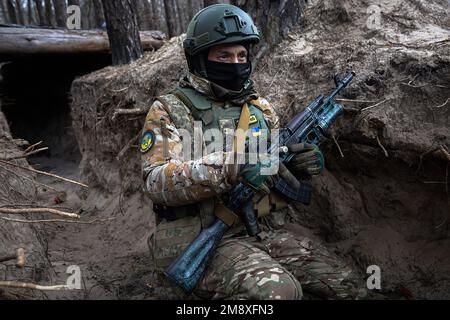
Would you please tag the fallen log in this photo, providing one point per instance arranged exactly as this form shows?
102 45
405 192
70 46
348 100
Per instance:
29 41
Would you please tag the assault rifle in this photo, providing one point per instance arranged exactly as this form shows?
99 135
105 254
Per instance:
307 126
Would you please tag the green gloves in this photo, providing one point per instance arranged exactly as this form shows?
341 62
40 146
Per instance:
308 159
255 174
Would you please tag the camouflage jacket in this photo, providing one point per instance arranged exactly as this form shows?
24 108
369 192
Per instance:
171 181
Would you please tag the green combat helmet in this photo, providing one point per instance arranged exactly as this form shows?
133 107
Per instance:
216 24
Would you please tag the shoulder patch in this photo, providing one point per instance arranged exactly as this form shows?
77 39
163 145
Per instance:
147 141
252 119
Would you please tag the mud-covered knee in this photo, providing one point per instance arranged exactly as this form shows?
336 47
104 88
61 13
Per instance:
272 284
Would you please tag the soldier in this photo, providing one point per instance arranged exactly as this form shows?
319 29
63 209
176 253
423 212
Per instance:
186 193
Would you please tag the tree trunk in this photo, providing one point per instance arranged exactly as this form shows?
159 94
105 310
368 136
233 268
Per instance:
172 17
60 12
4 15
274 18
209 2
123 33
147 17
137 7
49 13
194 7
159 19
11 11
144 14
30 14
40 11
98 13
85 17
20 15
184 13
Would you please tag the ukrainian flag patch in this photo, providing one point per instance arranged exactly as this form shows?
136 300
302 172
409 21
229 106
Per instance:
256 132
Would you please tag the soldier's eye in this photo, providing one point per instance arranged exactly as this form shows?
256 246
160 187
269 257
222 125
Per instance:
242 57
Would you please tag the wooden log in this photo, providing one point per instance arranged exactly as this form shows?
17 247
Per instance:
29 41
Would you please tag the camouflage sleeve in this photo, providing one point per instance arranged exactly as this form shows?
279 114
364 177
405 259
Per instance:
169 180
269 113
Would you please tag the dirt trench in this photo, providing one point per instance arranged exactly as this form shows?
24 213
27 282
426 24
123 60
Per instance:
385 202
18 187
383 198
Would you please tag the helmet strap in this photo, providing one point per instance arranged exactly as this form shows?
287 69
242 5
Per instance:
202 57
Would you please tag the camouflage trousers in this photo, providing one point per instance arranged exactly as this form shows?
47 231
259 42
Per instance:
280 266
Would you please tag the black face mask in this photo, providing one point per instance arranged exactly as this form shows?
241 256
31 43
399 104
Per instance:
231 76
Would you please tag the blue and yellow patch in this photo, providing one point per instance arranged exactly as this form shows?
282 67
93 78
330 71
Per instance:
256 131
147 141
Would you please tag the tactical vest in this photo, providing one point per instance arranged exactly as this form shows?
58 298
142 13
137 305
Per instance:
217 114
172 237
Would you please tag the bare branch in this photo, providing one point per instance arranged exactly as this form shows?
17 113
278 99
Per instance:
128 111
39 210
127 147
375 105
28 179
352 100
44 173
30 148
18 256
27 285
445 152
383 148
339 147
25 154
442 105
57 220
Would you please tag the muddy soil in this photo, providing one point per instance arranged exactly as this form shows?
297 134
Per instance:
19 187
383 199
